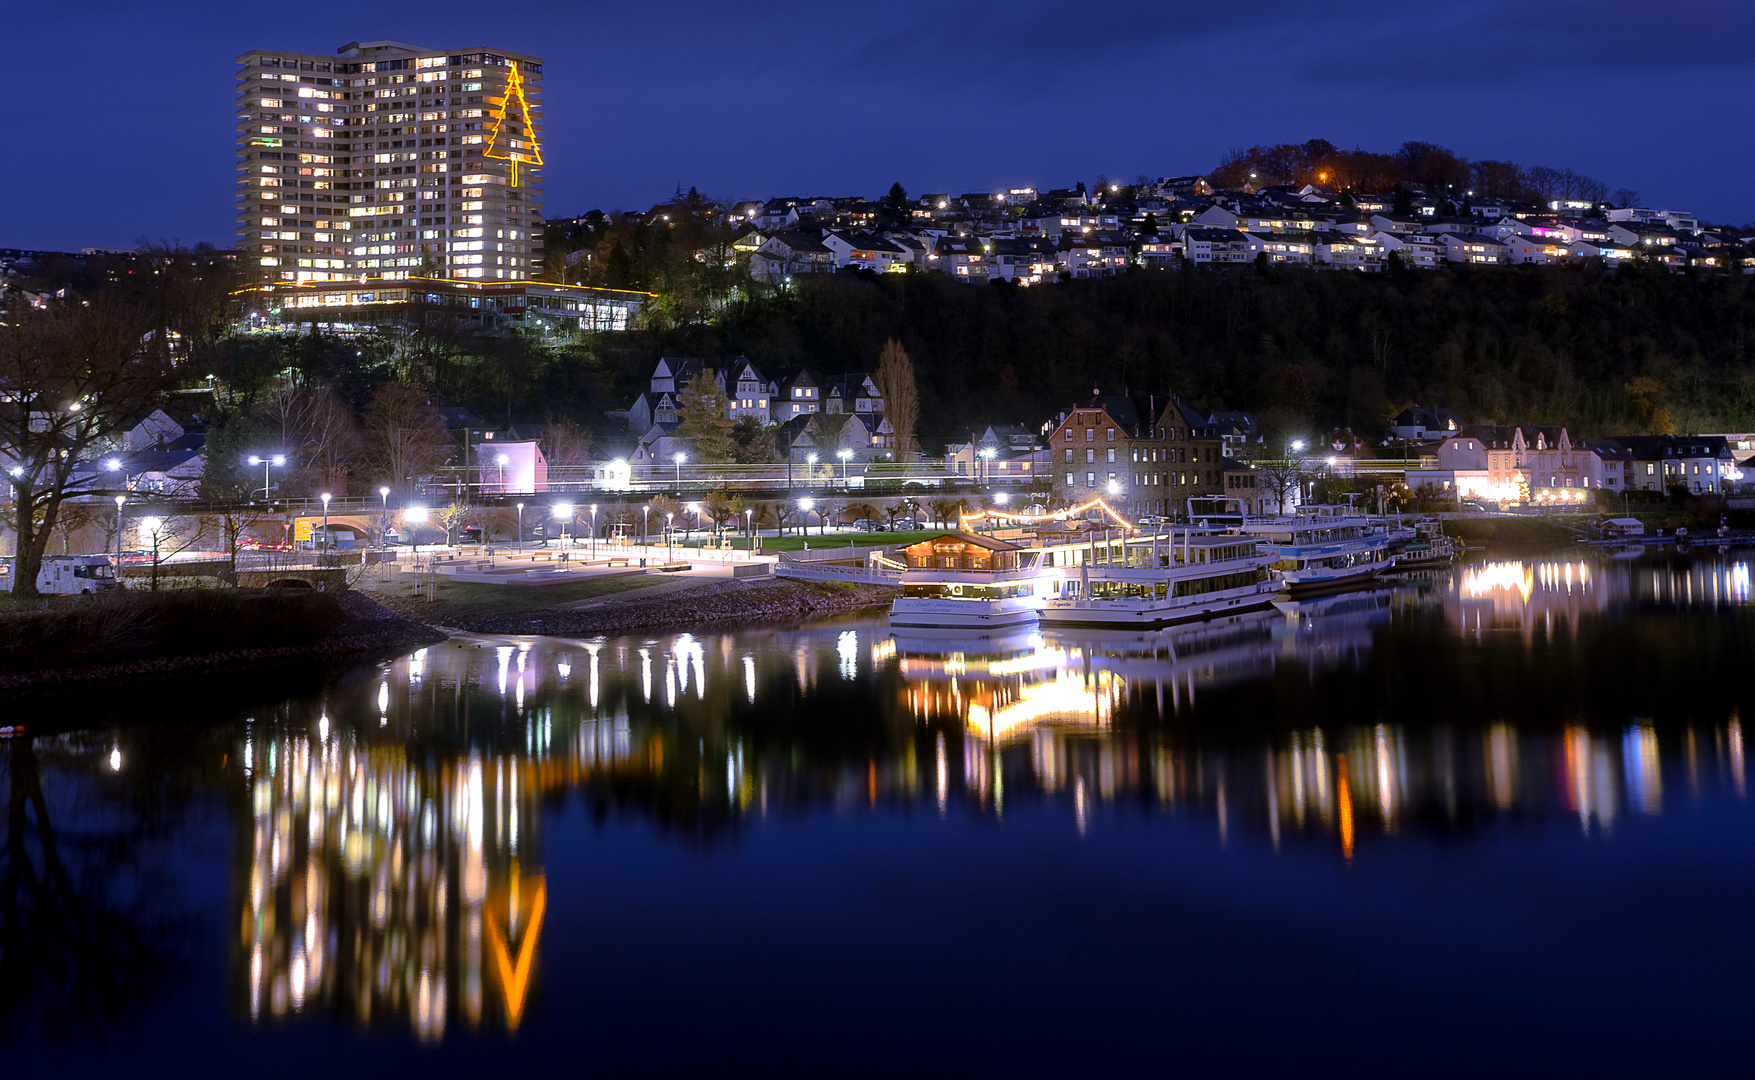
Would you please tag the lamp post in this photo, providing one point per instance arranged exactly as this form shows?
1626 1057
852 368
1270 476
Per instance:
594 530
152 525
804 505
987 453
810 460
680 458
277 461
115 465
748 536
645 514
844 454
325 498
669 537
415 516
501 460
563 512
120 499
694 510
521 527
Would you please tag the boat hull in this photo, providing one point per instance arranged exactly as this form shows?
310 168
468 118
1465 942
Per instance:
1303 588
1152 613
912 614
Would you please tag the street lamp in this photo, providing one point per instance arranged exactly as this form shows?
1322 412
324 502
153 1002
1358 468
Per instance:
843 455
694 510
594 530
415 516
277 461
563 512
748 536
669 537
152 525
804 505
120 499
987 453
680 458
501 460
521 527
645 514
325 498
383 514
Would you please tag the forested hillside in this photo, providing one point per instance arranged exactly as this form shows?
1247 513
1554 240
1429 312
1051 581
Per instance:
1638 349
1582 345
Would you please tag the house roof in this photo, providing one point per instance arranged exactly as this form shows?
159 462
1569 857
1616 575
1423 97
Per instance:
973 540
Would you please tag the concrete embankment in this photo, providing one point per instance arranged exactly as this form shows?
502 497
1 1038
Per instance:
117 641
718 604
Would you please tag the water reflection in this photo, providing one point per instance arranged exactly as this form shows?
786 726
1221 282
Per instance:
391 867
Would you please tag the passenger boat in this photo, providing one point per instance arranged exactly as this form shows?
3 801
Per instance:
962 581
1155 580
1323 549
1429 548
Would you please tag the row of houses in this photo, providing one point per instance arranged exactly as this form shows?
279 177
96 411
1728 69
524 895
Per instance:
1545 464
1029 237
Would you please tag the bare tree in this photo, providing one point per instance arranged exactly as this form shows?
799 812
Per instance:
1280 480
73 374
405 442
316 430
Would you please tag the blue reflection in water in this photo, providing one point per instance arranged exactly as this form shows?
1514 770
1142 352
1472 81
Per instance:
1447 795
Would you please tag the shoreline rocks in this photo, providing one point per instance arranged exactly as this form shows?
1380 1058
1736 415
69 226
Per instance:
368 629
742 602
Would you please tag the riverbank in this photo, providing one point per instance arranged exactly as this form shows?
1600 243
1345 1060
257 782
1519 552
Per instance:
741 602
123 638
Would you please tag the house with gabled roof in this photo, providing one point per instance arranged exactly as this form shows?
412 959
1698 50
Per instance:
748 390
800 395
855 393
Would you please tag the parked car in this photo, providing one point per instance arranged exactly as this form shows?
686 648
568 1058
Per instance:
867 525
903 524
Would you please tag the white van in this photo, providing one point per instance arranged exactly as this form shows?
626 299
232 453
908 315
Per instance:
67 575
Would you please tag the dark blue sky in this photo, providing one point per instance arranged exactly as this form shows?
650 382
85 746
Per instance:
118 116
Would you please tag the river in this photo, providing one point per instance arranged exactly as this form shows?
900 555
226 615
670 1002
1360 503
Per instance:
1489 820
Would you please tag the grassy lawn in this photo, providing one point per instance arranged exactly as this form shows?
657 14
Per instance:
510 598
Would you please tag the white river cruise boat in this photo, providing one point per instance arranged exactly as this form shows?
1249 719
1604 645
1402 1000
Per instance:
1155 580
961 581
1323 549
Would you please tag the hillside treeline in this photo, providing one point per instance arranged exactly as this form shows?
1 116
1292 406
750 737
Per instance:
1634 349
1631 350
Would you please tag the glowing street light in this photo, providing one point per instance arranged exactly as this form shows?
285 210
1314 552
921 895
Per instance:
844 455
278 460
593 529
502 461
120 499
415 516
383 513
325 498
680 458
563 512
521 525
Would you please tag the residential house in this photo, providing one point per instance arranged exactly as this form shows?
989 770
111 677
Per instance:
1220 246
748 391
1348 251
1534 249
1695 464
852 394
801 395
1422 250
864 251
1420 423
1091 448
965 258
1473 248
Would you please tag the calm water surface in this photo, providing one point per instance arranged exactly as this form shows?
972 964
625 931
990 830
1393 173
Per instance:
1493 821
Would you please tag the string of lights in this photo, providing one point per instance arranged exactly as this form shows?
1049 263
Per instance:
963 520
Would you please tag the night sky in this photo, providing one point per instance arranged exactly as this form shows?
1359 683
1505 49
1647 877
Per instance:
118 116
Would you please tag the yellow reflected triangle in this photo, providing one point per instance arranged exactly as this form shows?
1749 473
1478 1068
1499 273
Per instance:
515 977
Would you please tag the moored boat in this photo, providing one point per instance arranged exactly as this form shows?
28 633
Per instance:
1155 580
963 581
1323 549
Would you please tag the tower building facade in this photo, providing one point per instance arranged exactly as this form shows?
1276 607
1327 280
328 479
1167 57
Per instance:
387 162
